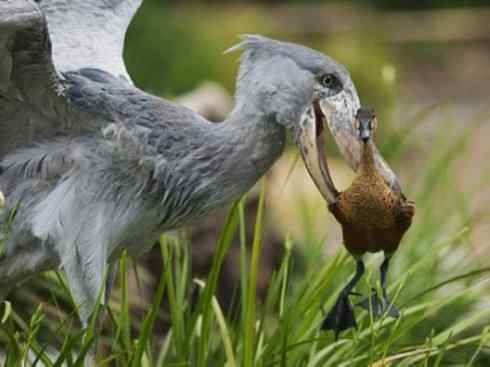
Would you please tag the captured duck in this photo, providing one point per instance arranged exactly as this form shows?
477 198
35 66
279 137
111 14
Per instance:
374 217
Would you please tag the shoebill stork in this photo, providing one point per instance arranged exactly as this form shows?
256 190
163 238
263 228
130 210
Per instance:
92 165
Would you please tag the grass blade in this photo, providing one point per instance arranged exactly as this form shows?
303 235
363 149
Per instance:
250 318
204 307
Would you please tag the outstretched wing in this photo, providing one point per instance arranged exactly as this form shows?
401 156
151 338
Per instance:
28 80
41 40
89 33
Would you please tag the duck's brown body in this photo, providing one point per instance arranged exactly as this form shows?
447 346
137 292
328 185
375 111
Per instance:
373 216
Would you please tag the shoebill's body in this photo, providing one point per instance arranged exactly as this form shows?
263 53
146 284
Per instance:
374 217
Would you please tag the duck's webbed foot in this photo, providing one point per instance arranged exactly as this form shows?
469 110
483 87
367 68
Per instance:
341 317
380 306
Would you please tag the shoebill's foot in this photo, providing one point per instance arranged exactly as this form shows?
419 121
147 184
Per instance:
341 317
380 306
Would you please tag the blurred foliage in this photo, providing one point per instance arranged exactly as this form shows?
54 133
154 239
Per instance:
184 46
425 4
386 4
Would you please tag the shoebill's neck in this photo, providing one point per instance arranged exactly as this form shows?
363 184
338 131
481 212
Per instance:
254 142
258 142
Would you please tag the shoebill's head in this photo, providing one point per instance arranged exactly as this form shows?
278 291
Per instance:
366 123
295 87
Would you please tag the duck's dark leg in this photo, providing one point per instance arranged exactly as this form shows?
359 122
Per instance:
384 305
341 316
390 308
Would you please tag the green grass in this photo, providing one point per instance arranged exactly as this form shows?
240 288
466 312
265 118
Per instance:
435 280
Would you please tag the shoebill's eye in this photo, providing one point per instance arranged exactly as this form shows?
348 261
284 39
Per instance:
328 80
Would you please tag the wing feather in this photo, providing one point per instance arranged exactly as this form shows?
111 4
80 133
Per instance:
82 34
89 33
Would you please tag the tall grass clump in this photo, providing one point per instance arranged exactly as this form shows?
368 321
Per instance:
442 291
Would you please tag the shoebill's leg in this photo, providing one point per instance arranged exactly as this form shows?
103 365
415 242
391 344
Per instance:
341 316
384 305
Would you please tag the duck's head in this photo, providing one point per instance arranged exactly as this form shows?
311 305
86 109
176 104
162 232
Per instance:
366 123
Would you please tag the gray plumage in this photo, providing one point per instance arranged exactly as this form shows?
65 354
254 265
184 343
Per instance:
93 165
